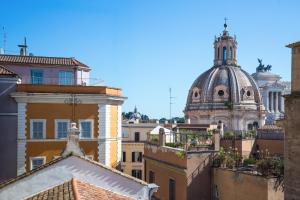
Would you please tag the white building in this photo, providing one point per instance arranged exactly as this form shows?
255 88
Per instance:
272 91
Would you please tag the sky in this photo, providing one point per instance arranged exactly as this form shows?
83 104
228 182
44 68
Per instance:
146 47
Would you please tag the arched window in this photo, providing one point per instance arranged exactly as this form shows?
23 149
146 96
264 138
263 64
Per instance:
218 52
230 53
224 55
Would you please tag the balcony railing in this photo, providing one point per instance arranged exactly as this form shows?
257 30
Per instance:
48 80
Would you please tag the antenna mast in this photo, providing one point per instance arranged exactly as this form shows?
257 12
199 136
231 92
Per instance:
171 97
4 39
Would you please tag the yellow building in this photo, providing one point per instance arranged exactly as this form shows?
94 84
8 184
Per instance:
44 116
134 137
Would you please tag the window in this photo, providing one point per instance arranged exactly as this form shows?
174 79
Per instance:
37 76
61 128
221 93
137 136
224 55
136 156
124 156
86 128
36 162
65 78
172 186
137 173
230 53
151 177
37 128
125 133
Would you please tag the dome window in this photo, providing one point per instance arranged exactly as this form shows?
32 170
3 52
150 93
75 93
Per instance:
196 94
221 93
248 93
224 55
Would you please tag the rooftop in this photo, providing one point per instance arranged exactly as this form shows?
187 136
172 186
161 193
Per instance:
41 60
6 72
75 189
292 45
70 89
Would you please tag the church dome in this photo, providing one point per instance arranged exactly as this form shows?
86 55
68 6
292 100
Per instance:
225 93
222 87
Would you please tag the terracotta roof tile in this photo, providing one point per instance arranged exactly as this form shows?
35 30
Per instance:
3 184
75 189
7 72
16 59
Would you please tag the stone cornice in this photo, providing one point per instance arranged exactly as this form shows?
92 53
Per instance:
23 97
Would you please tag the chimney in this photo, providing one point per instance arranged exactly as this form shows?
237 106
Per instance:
295 66
216 141
23 48
161 137
72 146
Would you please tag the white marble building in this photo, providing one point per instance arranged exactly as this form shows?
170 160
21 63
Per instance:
272 91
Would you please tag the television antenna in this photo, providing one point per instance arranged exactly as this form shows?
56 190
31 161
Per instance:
171 102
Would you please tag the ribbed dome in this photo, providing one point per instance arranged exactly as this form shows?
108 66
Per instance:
223 87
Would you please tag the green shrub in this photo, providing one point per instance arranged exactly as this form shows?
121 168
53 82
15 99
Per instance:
249 161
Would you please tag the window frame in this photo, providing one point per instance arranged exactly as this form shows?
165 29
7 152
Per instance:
136 158
174 189
123 157
137 170
56 121
37 157
31 76
64 80
139 136
151 176
44 128
92 128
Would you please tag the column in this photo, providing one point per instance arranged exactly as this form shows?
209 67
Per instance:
104 134
266 100
271 101
119 137
276 102
21 140
279 102
282 104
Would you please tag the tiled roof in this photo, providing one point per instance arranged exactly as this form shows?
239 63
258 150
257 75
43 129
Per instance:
42 60
63 191
6 72
2 185
75 189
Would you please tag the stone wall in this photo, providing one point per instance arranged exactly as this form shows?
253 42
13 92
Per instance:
232 185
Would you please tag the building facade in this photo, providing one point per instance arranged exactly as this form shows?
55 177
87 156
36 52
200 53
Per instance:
272 90
8 124
47 70
134 136
291 125
44 115
225 93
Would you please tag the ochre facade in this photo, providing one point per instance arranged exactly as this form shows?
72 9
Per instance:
99 107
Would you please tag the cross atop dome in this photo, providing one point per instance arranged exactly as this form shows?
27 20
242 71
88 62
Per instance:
225 24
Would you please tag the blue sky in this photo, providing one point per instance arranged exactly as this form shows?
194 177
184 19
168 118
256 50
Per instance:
146 47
